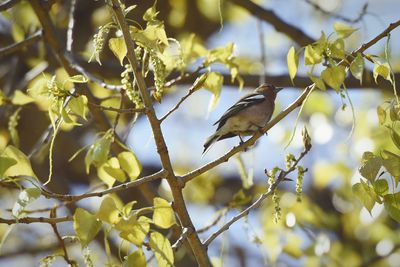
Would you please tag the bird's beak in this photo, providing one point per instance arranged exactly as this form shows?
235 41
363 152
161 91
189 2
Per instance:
277 89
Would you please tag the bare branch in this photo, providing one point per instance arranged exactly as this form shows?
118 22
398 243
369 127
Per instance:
124 186
175 184
269 16
8 4
5 51
28 220
361 15
53 214
281 177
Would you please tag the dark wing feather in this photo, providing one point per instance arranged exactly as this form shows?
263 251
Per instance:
243 103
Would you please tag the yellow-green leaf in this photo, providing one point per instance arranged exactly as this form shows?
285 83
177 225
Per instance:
214 84
343 30
86 226
78 79
19 98
312 56
334 76
370 165
112 169
382 70
319 83
357 67
136 259
162 249
381 187
391 162
130 164
134 230
381 115
392 205
365 194
292 62
118 47
23 166
108 211
395 137
78 105
336 49
163 215
5 163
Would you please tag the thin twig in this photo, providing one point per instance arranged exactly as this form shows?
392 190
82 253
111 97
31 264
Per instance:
53 214
28 220
214 222
8 4
118 110
5 51
360 16
281 177
71 23
124 186
189 93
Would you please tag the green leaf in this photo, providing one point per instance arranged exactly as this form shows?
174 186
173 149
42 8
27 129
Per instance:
221 54
357 67
214 84
86 226
19 98
78 105
382 70
78 79
292 62
162 249
134 230
365 194
392 205
370 165
391 162
136 259
343 30
98 152
163 216
381 187
5 163
108 211
126 210
334 76
23 166
150 14
25 197
199 82
130 164
394 112
312 56
118 47
110 171
336 49
319 83
381 115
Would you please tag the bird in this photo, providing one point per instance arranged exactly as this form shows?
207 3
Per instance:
247 116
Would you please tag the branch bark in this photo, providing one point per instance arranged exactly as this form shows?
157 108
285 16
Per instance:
179 204
5 51
269 16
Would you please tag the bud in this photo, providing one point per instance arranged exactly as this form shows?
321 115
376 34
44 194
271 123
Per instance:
306 139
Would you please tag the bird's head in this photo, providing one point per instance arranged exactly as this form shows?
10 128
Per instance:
268 89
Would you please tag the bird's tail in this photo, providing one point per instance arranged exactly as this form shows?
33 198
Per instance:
210 140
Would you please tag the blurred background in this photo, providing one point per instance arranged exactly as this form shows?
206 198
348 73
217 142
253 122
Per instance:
328 228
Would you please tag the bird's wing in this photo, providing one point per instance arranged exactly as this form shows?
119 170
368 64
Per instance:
243 103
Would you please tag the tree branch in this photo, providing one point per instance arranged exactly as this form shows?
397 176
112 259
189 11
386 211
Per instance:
269 16
124 186
281 177
5 51
179 205
28 220
8 4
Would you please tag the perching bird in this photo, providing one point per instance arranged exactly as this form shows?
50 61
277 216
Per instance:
247 116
